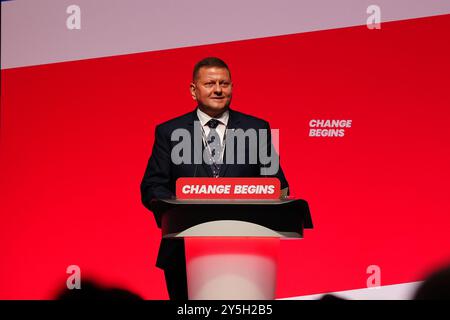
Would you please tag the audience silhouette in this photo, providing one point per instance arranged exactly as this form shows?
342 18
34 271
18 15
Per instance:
91 291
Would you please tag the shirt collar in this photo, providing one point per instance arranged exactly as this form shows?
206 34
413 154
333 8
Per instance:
204 118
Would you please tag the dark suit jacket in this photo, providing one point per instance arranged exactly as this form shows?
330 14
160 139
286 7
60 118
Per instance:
161 174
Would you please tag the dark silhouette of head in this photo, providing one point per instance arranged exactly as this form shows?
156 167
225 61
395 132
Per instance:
435 287
331 297
91 291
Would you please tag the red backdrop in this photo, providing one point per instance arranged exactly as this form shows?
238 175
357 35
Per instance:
76 137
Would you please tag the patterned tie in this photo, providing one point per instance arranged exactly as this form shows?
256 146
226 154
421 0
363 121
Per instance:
213 140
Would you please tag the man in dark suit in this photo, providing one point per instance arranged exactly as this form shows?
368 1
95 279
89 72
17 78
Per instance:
211 88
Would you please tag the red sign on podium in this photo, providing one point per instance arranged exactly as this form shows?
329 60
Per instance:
228 188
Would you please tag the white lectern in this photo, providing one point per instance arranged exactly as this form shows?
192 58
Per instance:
232 245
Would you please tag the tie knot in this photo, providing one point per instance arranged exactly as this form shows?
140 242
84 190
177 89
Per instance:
213 123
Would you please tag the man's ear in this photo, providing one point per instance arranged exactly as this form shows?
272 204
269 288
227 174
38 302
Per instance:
192 89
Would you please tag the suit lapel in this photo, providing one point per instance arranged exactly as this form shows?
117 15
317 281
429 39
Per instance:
233 122
197 150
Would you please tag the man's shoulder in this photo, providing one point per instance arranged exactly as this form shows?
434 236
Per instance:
250 120
177 122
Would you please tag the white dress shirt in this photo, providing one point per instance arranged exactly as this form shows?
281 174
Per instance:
223 121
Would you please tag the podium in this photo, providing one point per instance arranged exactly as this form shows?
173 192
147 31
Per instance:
232 245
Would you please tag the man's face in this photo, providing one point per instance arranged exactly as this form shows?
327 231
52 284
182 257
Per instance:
212 90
